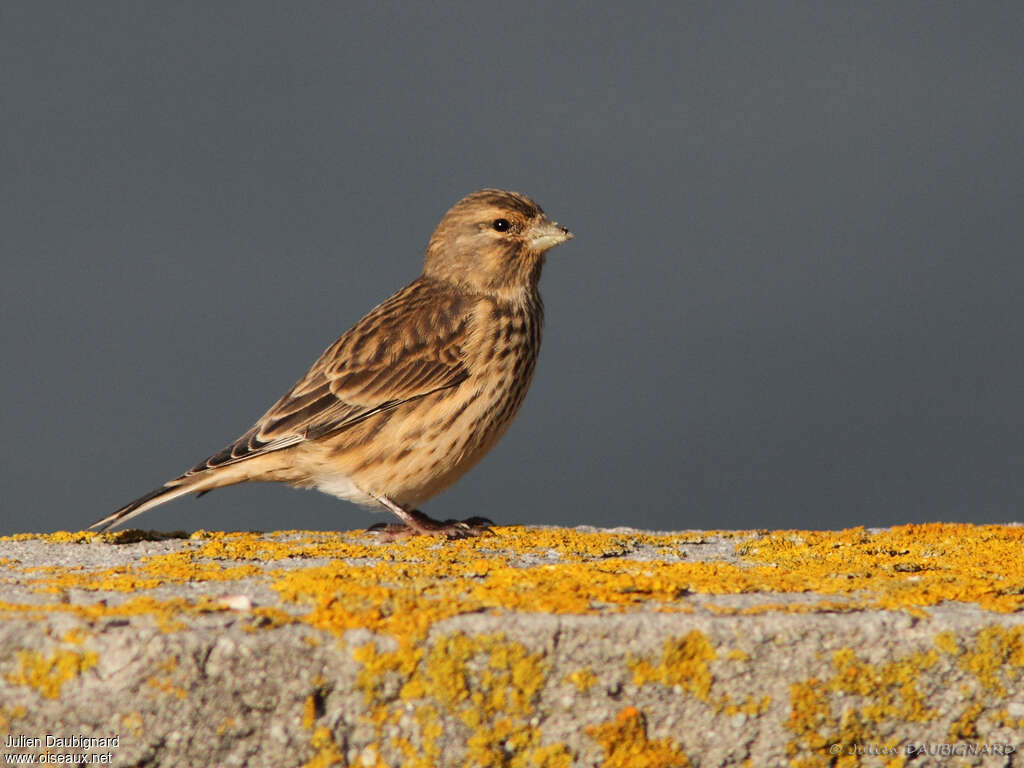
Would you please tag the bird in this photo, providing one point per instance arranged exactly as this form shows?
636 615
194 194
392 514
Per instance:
417 392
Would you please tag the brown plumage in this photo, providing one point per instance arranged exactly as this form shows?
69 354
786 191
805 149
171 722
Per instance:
417 392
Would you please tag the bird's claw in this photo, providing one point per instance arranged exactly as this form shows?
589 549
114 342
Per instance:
426 526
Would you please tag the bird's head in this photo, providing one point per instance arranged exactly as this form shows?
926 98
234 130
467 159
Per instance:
492 241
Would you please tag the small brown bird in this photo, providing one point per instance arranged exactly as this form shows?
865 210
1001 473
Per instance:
419 390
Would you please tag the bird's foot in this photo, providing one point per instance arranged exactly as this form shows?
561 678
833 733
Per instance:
418 524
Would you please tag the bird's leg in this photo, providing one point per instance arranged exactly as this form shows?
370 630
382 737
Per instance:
415 523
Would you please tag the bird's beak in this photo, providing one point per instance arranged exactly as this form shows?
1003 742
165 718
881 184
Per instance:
547 234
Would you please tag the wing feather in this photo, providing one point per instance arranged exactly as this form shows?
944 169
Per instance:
408 347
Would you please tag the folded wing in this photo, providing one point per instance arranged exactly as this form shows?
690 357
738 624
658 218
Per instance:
409 347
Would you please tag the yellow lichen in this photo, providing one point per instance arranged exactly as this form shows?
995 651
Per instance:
133 723
164 685
487 682
684 663
47 674
9 715
75 636
1003 719
326 751
890 690
626 744
873 694
810 716
821 738
966 725
491 685
152 572
996 653
903 567
377 667
870 698
57 537
309 712
584 679
400 591
947 642
751 706
427 754
372 585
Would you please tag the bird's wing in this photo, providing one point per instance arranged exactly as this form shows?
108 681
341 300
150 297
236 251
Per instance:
408 347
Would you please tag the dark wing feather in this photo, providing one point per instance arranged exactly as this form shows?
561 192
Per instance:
408 347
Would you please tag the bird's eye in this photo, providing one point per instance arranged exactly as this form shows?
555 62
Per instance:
501 225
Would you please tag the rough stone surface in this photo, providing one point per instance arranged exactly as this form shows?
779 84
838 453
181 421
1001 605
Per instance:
532 647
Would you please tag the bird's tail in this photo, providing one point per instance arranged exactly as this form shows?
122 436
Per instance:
171 490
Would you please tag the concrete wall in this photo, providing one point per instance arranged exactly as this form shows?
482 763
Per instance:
531 647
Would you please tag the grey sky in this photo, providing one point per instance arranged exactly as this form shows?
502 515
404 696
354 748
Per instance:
793 298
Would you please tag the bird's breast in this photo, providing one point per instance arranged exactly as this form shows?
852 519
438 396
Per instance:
504 365
422 447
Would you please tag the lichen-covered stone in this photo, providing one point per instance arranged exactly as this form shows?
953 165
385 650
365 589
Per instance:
539 647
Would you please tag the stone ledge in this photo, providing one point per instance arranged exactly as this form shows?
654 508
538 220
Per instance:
543 647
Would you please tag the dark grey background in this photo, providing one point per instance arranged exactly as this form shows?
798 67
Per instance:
793 298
